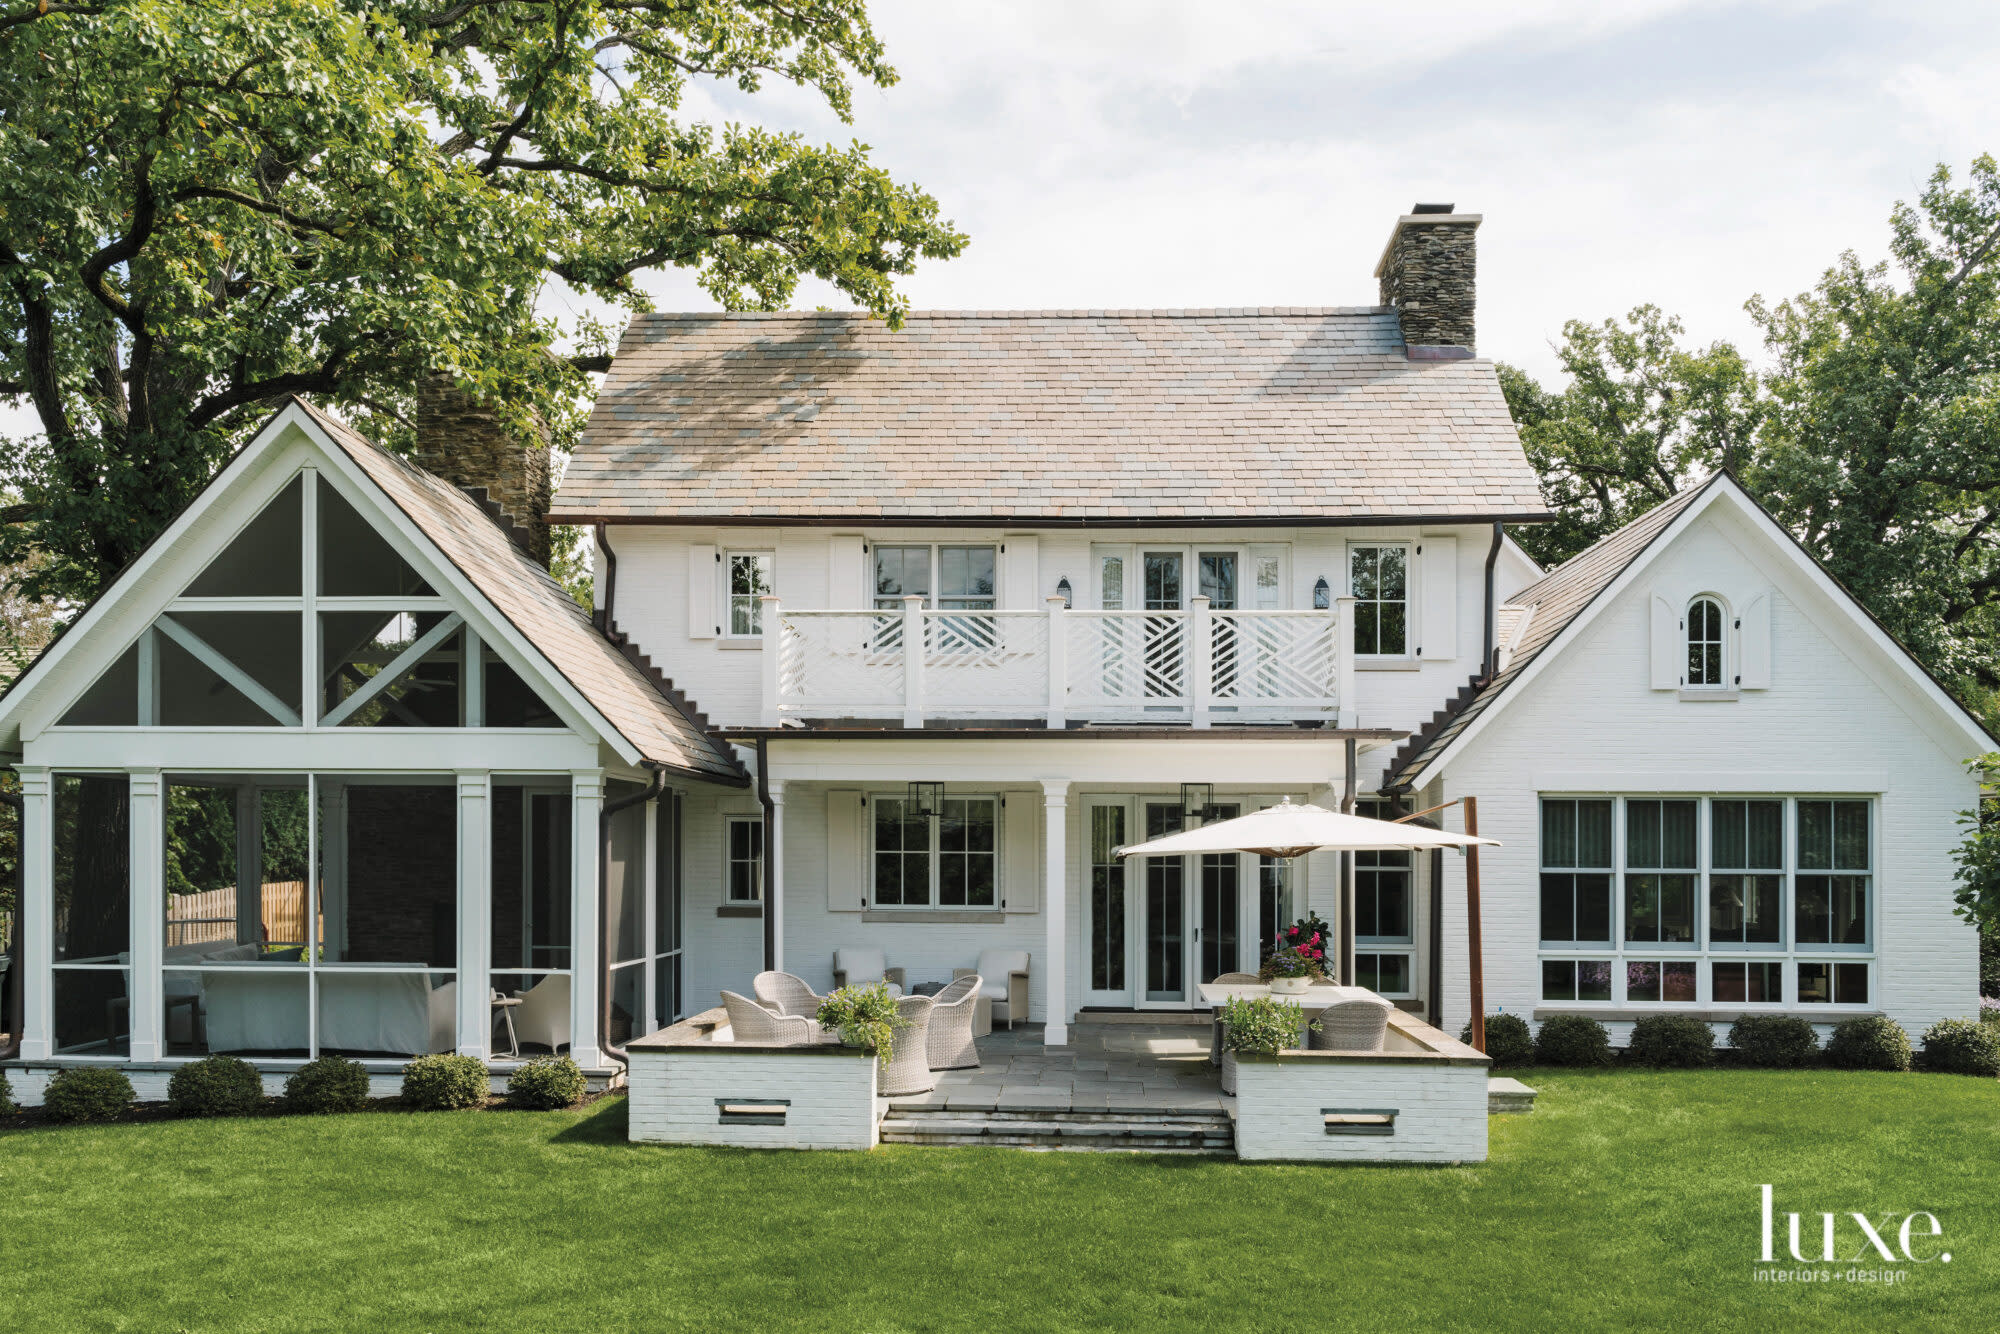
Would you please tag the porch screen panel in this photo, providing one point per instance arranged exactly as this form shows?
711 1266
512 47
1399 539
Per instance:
354 559
531 893
624 908
92 920
1107 898
667 910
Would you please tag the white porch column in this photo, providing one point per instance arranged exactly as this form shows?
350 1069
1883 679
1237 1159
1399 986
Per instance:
913 660
145 873
1055 883
776 907
1343 661
475 912
586 951
35 946
1058 663
1200 658
771 711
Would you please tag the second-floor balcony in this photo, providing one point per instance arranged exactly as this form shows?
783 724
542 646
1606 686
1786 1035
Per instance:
1197 666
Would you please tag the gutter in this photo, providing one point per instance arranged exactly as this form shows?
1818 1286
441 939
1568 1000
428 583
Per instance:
650 793
1492 557
16 974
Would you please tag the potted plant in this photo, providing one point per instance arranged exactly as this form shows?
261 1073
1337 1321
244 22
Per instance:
1297 958
863 1016
1265 1025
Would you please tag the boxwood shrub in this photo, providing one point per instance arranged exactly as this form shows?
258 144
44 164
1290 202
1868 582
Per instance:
215 1086
1776 1040
445 1083
329 1084
1573 1039
546 1083
1871 1043
1508 1040
1962 1047
87 1093
1675 1041
6 1095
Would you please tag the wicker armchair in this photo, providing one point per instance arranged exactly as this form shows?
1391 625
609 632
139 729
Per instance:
952 1013
751 1022
1215 1030
1356 1025
859 967
909 1071
1003 975
785 994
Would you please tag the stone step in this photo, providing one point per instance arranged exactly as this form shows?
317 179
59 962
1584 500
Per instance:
1149 1115
1103 1136
1504 1095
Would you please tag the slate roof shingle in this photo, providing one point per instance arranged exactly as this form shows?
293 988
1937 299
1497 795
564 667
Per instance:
1267 414
540 609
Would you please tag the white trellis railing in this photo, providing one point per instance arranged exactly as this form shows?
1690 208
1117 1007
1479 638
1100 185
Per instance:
1059 665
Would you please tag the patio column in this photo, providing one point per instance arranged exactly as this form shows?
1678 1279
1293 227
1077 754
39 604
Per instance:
147 866
475 912
586 950
1055 881
34 925
774 911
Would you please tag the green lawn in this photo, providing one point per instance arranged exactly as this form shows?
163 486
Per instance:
1627 1200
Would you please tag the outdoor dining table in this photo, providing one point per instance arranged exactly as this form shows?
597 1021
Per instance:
1312 1000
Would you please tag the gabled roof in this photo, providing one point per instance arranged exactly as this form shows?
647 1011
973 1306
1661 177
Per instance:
1070 417
537 606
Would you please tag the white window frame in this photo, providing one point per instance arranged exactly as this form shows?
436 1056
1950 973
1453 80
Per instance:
1410 595
1724 643
730 861
936 550
935 856
729 594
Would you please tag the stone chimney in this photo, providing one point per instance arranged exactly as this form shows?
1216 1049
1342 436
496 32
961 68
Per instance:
473 448
1428 273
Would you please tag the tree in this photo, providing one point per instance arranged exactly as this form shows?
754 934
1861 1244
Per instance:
207 205
1882 444
1978 859
1640 418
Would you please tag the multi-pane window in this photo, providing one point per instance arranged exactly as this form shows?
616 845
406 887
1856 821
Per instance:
1660 872
749 582
1378 577
1704 643
950 861
1832 887
1576 871
744 844
947 578
1746 881
1381 886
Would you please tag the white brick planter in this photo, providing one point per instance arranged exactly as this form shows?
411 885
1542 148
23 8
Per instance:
691 1084
1421 1100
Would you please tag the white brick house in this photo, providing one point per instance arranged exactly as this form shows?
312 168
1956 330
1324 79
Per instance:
899 636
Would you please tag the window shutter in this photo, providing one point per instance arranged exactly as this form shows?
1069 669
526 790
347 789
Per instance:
845 864
1021 870
1021 575
1437 627
1669 645
846 574
1754 635
702 580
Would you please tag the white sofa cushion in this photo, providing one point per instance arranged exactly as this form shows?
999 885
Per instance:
860 965
995 969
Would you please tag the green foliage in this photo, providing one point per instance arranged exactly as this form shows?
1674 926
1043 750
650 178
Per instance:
1572 1039
1963 1047
445 1083
1671 1041
206 206
1640 419
1263 1024
547 1083
7 1107
1871 1043
1978 859
215 1086
1778 1040
864 1017
328 1084
1508 1040
87 1093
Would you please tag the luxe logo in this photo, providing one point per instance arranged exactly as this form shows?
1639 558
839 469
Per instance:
1871 1237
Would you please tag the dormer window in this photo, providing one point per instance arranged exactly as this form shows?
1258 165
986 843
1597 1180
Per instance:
1705 656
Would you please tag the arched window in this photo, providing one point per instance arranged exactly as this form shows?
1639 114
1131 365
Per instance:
1704 640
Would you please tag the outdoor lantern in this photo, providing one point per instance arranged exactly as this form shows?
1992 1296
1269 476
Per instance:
1197 800
1062 591
927 799
1322 595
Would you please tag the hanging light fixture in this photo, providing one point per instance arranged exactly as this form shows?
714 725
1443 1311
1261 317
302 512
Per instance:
1062 591
1322 595
927 799
1197 801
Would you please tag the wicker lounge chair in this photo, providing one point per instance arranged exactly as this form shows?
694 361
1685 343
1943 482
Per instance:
1003 975
751 1022
909 1071
953 1010
1356 1025
858 967
785 994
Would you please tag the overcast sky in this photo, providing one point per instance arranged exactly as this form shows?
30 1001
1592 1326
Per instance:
1173 153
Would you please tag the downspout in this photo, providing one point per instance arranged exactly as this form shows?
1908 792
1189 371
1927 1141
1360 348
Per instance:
1492 557
16 979
770 861
605 604
604 926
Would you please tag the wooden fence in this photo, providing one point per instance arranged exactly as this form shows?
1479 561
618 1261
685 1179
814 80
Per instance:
194 919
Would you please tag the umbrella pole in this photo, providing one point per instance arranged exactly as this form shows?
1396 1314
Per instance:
1473 942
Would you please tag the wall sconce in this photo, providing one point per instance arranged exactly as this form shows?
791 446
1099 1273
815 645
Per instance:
1062 591
1197 801
1322 595
927 799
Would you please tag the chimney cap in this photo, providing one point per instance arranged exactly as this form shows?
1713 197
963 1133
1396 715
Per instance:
1433 208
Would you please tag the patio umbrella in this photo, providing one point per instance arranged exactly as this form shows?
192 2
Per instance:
1286 830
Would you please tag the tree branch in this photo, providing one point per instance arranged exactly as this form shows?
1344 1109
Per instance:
241 394
43 9
278 211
